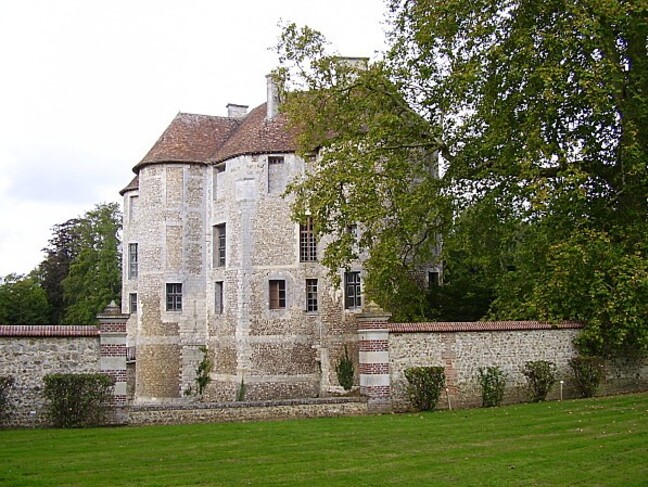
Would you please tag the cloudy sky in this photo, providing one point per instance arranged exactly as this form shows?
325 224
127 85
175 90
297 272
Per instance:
87 87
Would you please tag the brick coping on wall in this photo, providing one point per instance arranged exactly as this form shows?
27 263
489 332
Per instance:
247 404
49 330
467 326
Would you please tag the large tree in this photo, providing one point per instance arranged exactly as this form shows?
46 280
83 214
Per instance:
94 277
540 113
22 301
62 249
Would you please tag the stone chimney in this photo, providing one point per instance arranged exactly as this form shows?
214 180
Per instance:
273 98
236 111
359 63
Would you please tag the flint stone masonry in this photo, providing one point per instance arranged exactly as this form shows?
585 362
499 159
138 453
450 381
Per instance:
29 352
387 349
248 411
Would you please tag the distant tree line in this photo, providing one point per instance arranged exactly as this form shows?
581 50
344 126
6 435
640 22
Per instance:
80 275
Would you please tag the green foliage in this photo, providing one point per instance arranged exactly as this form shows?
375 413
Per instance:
62 249
240 394
94 277
493 383
376 167
22 301
345 371
6 382
76 400
588 373
541 376
424 386
203 371
538 112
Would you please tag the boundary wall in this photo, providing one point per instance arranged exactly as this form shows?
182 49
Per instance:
387 349
29 352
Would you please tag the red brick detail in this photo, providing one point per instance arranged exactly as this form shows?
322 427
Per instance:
376 391
48 330
113 350
113 327
478 326
117 375
118 401
373 345
374 368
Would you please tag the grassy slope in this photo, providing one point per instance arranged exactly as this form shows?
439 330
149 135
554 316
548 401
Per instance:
584 442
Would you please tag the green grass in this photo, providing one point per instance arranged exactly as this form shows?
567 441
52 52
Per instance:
590 442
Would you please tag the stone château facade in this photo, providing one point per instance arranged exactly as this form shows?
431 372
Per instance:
214 266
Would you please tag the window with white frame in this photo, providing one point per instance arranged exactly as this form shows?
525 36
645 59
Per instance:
174 296
277 294
311 295
307 242
132 260
220 242
132 303
352 290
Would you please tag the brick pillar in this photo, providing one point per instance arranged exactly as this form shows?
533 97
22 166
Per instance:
373 345
112 338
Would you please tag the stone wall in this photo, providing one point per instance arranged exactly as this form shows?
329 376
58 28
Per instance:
387 349
29 352
247 411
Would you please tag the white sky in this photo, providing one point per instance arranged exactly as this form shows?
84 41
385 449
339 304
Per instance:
87 87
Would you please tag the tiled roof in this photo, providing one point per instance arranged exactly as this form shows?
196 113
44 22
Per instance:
477 326
190 138
463 326
256 135
132 186
206 139
48 330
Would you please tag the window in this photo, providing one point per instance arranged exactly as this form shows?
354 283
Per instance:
311 295
218 297
433 278
133 207
352 295
132 303
132 260
276 178
220 239
307 242
277 294
219 181
174 297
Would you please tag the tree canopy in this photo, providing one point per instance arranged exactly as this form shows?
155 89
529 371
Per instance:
22 301
80 275
539 111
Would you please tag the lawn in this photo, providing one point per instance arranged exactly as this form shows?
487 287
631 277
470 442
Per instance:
601 441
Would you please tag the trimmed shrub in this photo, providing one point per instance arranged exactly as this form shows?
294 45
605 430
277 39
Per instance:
424 386
588 373
540 375
493 382
5 384
344 370
77 400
